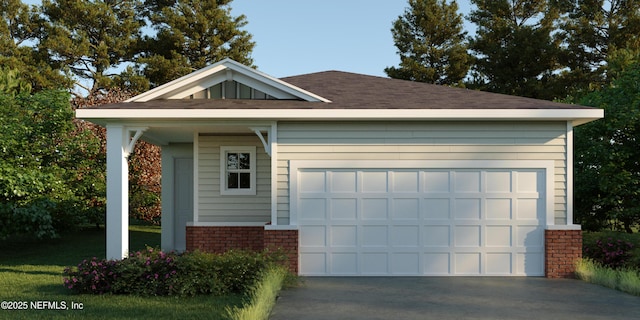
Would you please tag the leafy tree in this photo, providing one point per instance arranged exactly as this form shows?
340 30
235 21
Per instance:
46 173
430 42
190 35
607 156
19 32
91 38
515 51
144 166
593 31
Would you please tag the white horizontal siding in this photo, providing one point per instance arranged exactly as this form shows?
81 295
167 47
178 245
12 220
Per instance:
422 141
212 207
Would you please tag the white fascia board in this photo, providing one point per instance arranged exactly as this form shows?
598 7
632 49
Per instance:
578 116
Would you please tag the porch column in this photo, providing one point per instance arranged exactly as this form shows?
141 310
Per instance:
117 224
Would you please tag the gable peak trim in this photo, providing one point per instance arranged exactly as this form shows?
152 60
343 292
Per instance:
228 66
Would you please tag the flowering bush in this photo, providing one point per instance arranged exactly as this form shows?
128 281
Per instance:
152 272
611 253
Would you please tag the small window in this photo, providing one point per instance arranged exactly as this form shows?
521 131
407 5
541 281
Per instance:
238 170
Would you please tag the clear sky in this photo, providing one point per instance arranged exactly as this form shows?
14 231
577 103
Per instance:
302 36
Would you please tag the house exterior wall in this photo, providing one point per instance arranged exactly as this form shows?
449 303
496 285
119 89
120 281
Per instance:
214 207
423 141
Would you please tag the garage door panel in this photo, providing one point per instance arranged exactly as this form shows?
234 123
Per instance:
342 182
467 182
467 236
498 263
422 222
405 182
344 263
314 181
530 236
405 236
467 263
437 263
374 209
405 263
528 209
437 208
374 182
344 209
467 209
529 263
437 236
407 208
498 182
313 236
498 236
528 181
375 235
498 209
313 209
314 263
375 263
343 236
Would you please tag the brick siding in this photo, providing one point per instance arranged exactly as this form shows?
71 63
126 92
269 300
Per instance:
562 249
221 239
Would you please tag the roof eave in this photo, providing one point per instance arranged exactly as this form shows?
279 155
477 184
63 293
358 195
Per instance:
576 116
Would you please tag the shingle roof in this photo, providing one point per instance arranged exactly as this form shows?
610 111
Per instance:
356 91
352 90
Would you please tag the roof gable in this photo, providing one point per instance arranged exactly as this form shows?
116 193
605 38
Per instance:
226 70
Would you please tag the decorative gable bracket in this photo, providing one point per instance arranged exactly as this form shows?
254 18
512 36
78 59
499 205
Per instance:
131 140
267 144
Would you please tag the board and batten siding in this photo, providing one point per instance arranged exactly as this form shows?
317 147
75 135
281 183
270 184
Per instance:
213 207
423 141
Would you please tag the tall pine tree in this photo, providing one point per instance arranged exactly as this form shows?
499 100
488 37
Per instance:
192 34
515 51
92 38
19 34
430 41
595 32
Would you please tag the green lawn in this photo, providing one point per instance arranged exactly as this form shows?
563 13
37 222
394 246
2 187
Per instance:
31 272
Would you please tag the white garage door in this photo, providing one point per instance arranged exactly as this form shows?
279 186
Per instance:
421 221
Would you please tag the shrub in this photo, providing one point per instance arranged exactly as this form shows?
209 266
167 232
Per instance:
146 273
611 253
152 272
91 276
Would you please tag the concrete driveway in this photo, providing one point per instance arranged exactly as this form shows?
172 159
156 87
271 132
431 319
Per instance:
452 298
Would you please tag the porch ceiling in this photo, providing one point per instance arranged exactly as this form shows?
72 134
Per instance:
163 135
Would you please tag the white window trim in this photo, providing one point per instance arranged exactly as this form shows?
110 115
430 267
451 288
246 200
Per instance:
223 170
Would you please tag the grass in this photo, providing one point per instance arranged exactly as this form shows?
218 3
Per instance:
263 296
626 280
32 272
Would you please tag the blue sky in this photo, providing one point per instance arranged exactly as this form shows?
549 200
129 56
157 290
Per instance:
297 37
303 36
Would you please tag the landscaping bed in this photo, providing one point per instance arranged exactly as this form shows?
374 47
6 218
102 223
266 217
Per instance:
611 259
32 273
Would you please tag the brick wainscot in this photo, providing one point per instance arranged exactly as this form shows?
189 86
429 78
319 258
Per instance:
562 249
219 239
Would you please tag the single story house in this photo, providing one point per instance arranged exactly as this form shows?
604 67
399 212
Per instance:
351 174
